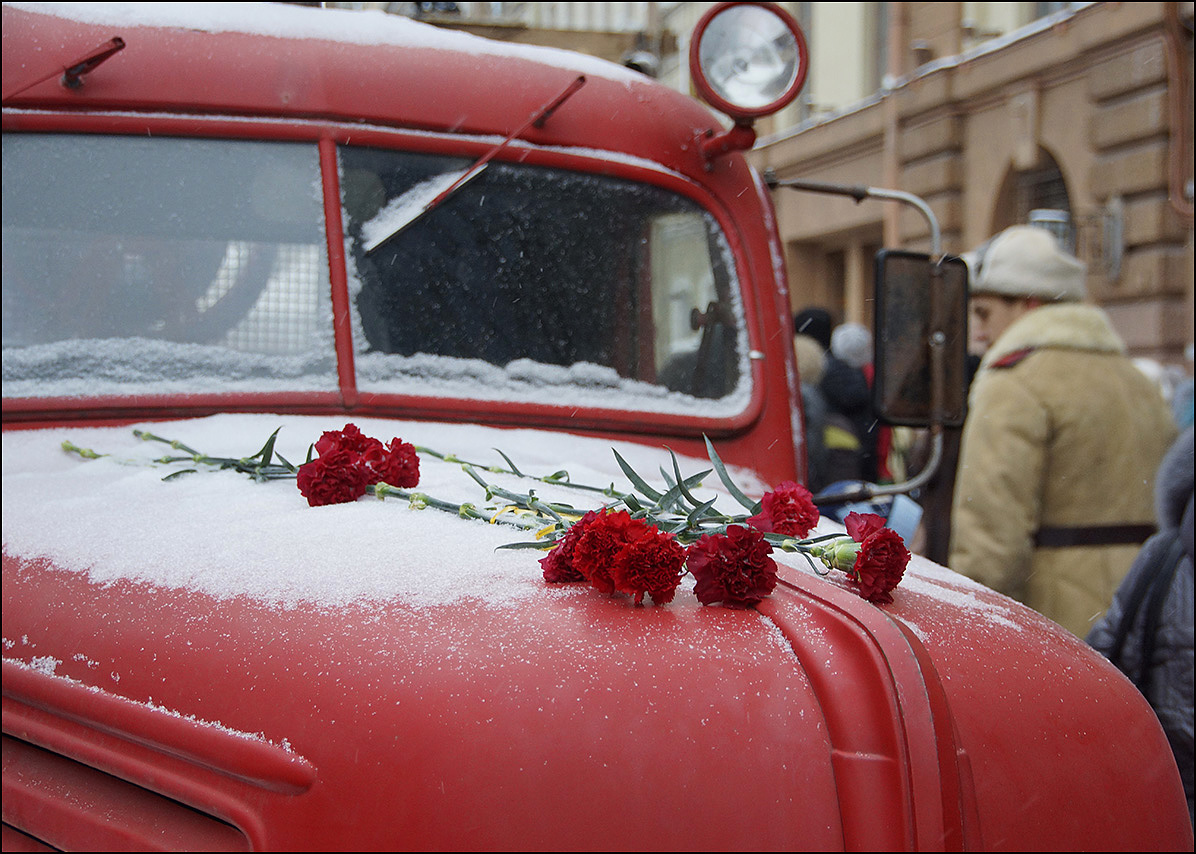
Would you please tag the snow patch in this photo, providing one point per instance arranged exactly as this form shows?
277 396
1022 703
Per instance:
40 665
222 534
364 27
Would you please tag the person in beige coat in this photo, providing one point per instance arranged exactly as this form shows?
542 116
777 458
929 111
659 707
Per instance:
1062 439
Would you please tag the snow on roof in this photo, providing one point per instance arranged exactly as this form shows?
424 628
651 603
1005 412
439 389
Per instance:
281 20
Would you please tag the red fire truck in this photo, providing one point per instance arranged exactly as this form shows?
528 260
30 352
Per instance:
228 222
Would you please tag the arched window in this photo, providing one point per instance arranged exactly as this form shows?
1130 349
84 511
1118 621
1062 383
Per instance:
1042 187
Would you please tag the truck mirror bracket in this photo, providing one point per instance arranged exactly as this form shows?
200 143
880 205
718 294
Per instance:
943 321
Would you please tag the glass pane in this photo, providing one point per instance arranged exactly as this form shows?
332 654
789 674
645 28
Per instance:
539 284
141 265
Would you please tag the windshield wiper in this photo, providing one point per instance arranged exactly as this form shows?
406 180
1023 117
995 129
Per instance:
537 118
72 73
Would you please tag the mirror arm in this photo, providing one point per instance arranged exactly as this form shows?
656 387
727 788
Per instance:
937 342
859 192
867 491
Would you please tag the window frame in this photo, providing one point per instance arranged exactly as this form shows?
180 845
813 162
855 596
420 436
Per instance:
328 136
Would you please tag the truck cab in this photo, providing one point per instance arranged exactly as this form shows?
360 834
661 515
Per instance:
223 223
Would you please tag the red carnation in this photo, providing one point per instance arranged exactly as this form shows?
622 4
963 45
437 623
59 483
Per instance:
860 526
883 557
349 461
558 563
614 552
650 562
787 510
349 439
733 568
333 478
599 545
396 463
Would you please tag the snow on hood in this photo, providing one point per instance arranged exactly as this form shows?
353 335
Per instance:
223 534
364 27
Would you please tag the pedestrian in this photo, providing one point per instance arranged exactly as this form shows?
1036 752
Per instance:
1181 401
1062 440
848 396
810 360
1147 632
815 322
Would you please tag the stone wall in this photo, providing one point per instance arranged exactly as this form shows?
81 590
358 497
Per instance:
1090 94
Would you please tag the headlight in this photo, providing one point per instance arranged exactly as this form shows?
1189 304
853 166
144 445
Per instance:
748 59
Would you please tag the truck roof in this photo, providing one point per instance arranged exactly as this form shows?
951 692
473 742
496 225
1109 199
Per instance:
273 59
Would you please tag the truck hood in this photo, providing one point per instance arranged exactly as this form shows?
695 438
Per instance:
377 676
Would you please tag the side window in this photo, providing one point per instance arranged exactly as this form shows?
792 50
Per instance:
533 283
137 265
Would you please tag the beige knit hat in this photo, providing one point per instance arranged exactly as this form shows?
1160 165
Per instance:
811 359
1024 261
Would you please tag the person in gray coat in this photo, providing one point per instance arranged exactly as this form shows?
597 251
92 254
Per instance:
1147 632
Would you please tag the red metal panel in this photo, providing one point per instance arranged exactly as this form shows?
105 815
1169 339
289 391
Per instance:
1046 729
597 724
74 807
890 725
334 232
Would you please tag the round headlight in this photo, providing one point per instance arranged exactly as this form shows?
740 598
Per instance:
748 59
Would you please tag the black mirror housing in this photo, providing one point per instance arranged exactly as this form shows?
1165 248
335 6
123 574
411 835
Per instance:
921 319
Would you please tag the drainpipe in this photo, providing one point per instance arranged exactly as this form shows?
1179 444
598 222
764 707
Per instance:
890 158
1179 175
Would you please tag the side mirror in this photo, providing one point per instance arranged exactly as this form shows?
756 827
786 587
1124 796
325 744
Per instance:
921 331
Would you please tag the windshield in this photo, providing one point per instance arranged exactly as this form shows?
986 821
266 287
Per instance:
137 265
529 279
163 265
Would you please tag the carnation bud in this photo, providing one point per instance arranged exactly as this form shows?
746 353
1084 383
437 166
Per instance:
837 554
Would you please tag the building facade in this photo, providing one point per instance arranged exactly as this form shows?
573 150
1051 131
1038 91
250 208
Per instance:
1087 109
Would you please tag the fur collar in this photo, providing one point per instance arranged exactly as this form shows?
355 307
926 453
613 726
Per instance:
1060 326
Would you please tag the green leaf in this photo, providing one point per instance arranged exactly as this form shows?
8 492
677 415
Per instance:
678 527
267 449
669 500
698 512
514 468
680 480
721 471
689 482
542 545
636 481
291 468
541 507
173 475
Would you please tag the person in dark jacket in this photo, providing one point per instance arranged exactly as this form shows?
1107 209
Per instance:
849 397
810 360
816 323
1151 614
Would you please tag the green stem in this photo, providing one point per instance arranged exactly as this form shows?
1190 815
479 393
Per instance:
560 478
465 511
